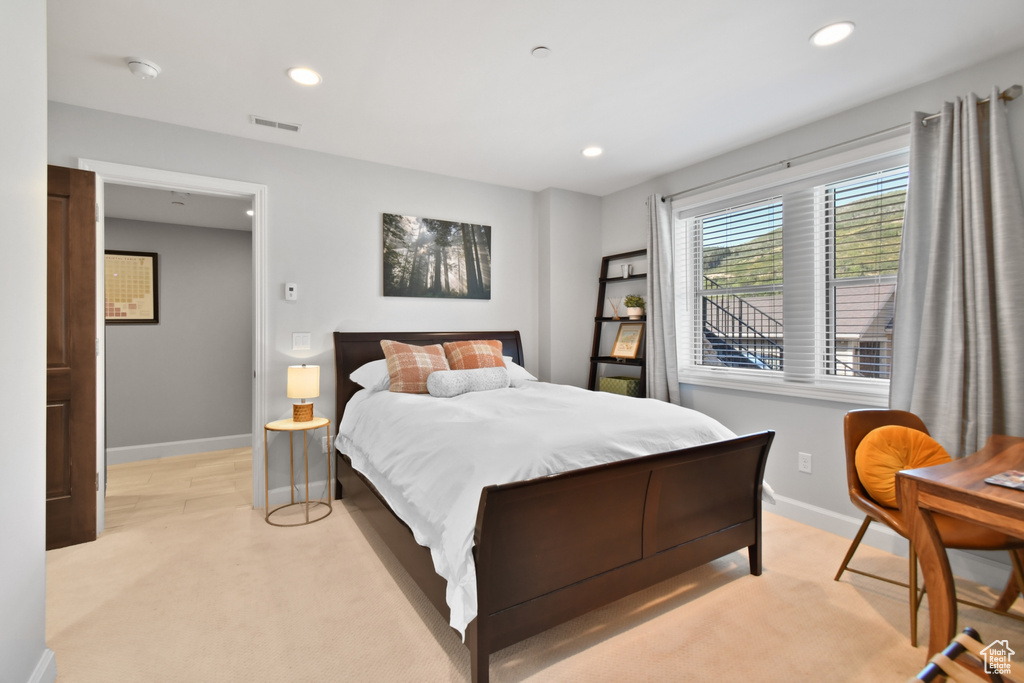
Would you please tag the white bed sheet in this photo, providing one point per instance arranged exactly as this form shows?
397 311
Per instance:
430 457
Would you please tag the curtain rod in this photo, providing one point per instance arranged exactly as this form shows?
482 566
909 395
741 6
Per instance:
1008 95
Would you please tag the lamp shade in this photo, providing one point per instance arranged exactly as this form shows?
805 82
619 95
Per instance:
303 381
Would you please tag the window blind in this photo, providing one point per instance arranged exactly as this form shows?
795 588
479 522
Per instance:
793 283
863 222
739 287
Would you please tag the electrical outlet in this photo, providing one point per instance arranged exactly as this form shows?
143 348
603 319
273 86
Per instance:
803 462
323 444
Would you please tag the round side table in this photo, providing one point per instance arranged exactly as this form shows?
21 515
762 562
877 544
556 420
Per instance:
291 426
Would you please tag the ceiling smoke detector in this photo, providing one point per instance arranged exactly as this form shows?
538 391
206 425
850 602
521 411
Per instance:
143 68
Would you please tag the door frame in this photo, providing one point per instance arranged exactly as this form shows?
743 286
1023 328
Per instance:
139 176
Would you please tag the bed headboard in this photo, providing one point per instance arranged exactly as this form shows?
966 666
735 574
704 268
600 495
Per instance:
354 349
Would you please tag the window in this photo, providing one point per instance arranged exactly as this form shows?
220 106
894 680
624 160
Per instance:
740 286
791 286
863 222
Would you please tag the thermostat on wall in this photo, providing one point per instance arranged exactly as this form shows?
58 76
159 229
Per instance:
291 291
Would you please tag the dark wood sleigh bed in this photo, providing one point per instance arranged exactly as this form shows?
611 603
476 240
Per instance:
659 515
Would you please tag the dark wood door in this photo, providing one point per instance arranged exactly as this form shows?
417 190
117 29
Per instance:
71 477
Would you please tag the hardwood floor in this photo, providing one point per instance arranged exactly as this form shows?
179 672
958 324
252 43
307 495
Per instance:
178 485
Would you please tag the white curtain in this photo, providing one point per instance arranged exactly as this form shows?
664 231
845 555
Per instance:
958 342
662 366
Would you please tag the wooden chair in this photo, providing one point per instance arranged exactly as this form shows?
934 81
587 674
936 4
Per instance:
955 533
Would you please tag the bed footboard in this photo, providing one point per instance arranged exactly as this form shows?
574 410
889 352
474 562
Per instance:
551 549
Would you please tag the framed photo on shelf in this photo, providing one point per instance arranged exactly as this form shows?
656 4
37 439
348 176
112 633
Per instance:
628 340
130 288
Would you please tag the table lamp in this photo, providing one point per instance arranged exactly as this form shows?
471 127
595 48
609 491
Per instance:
303 383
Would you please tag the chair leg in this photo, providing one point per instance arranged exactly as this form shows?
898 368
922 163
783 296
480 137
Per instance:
1013 584
853 546
916 595
915 601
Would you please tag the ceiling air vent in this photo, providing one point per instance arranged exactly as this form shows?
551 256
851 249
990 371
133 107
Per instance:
260 121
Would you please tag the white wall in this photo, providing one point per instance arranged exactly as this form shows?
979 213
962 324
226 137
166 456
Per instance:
569 261
188 377
804 425
325 232
23 652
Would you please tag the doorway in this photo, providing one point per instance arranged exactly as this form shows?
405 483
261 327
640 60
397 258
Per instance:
168 181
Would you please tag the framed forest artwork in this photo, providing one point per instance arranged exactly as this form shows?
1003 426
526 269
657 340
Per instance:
427 257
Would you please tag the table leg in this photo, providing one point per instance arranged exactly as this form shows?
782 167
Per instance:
291 463
938 578
266 480
330 459
305 462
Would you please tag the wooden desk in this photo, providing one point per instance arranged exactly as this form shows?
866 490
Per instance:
958 489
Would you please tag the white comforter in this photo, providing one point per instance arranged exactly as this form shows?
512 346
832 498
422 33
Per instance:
430 457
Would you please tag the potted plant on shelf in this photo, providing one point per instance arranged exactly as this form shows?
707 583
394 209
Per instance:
634 306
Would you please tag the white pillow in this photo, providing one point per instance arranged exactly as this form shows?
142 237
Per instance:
517 373
449 383
373 375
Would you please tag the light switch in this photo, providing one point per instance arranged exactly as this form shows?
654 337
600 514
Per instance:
301 341
291 291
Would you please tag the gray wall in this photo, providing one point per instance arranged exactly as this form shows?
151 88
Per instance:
23 652
190 376
804 425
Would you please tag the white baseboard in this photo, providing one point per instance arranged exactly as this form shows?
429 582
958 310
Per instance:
989 569
151 451
46 669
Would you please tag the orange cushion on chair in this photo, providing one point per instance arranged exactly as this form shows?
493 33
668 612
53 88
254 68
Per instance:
887 450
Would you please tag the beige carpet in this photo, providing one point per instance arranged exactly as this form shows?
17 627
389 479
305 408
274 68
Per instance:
222 596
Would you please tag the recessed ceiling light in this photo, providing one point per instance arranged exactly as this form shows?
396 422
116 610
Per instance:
303 75
541 52
593 152
832 34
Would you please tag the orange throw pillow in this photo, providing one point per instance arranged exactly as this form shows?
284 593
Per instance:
887 450
470 355
409 366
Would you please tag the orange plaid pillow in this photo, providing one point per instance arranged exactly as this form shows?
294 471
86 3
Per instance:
409 366
470 355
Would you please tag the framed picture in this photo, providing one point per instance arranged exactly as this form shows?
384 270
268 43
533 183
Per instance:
627 340
427 257
130 287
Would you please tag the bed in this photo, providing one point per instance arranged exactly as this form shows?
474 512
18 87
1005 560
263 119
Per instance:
536 565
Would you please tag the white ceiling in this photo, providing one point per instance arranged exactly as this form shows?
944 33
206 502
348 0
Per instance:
204 211
450 87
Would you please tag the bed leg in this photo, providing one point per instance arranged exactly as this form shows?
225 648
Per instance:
479 658
754 555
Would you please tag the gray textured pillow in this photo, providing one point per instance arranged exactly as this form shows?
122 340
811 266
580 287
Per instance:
449 383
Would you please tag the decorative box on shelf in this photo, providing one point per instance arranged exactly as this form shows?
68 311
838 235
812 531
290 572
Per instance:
627 386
